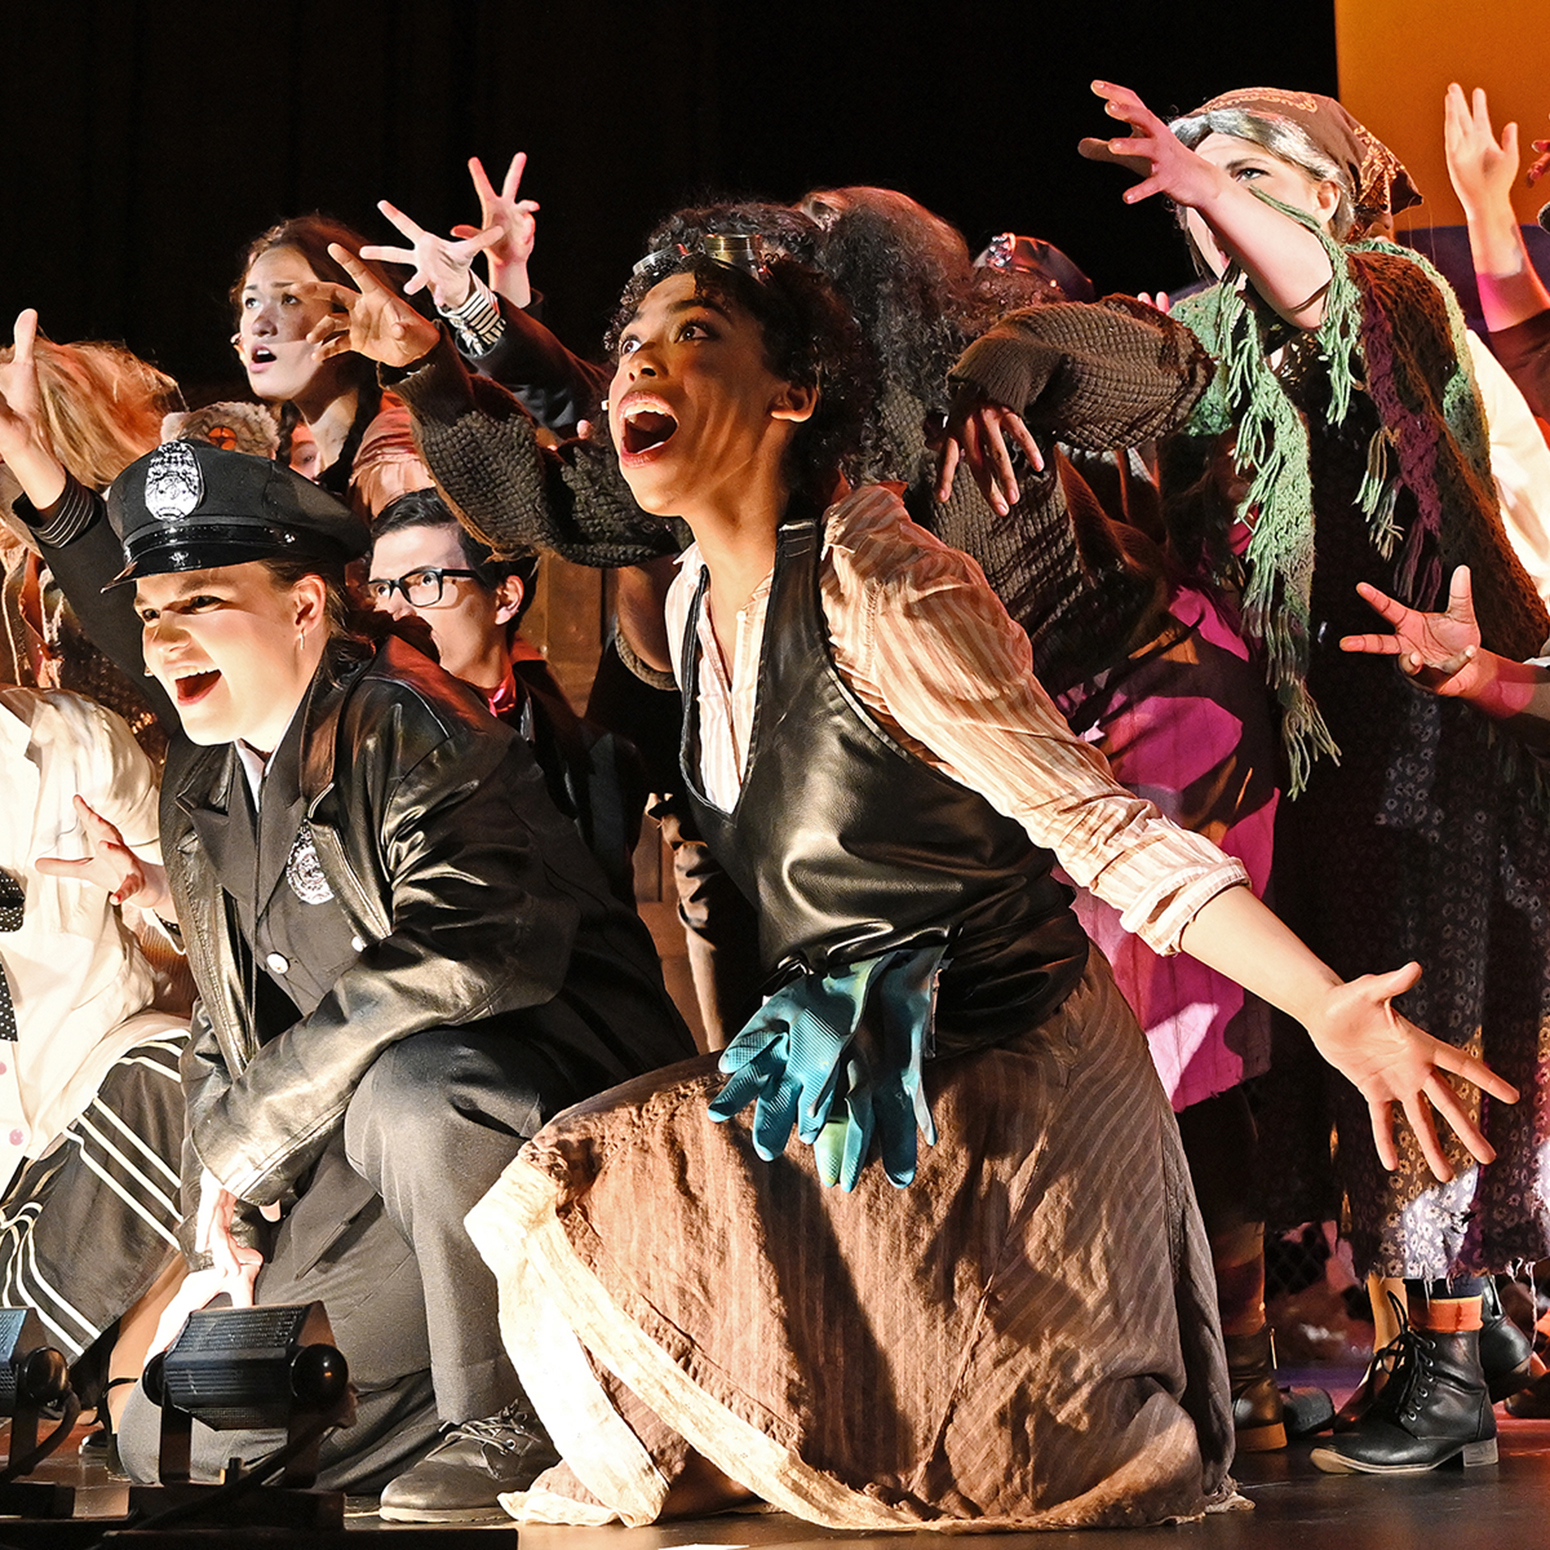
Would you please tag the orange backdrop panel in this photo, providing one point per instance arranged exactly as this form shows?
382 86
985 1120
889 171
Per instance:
1397 58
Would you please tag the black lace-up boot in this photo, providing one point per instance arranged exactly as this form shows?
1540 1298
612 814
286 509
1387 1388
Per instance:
1506 1359
1434 1409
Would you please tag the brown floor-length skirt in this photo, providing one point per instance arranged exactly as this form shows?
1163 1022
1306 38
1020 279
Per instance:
1025 1337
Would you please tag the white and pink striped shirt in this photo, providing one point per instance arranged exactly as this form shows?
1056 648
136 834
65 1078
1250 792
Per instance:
928 648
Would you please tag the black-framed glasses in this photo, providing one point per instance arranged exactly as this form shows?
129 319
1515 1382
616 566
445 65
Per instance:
422 588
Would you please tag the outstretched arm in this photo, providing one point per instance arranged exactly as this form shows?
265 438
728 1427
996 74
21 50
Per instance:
497 333
482 447
1482 170
70 523
1353 1025
955 673
1092 375
1286 263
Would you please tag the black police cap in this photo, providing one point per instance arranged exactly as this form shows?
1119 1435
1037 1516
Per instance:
193 506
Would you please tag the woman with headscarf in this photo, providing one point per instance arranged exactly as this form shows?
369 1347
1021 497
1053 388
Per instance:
1345 403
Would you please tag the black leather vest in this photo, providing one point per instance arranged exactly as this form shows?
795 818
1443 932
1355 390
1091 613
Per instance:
848 845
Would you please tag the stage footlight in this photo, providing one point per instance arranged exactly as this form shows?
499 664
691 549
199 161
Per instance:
243 1369
29 1382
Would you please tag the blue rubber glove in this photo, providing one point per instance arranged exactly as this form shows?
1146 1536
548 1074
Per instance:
883 1091
815 1044
789 1053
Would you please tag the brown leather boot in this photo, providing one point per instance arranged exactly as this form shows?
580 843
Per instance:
1257 1416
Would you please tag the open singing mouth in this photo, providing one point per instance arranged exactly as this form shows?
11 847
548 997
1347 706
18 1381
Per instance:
192 687
646 428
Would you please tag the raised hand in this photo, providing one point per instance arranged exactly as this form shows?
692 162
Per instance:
445 264
1390 1061
112 865
373 320
1480 168
513 218
1287 265
975 436
1151 151
1440 651
20 405
24 443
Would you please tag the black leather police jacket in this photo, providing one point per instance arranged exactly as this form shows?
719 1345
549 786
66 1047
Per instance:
471 895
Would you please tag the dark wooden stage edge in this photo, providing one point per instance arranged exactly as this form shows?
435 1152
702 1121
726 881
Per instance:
1502 1507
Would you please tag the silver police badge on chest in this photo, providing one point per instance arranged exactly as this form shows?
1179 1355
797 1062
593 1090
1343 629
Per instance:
304 872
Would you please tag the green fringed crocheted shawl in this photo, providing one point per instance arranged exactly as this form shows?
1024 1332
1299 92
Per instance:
1272 455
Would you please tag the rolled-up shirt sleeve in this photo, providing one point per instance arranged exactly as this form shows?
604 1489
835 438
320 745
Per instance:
928 647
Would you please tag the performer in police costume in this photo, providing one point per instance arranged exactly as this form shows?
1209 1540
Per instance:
407 961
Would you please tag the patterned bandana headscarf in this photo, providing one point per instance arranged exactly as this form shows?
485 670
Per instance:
1382 185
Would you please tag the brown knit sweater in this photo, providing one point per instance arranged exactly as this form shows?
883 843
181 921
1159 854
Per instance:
1090 376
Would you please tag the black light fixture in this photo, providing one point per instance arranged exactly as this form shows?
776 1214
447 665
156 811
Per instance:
29 1381
245 1369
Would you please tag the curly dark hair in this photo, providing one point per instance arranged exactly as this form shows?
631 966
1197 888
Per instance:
907 275
917 298
810 338
910 281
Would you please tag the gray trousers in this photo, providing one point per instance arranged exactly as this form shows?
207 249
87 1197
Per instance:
378 1237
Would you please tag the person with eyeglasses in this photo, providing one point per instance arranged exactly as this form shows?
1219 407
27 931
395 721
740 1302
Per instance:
425 565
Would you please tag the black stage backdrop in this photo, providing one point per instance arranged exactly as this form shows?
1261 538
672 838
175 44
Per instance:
142 144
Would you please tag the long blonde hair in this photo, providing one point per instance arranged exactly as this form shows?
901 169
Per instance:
102 406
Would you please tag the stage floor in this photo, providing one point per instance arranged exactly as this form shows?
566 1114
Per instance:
1503 1507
